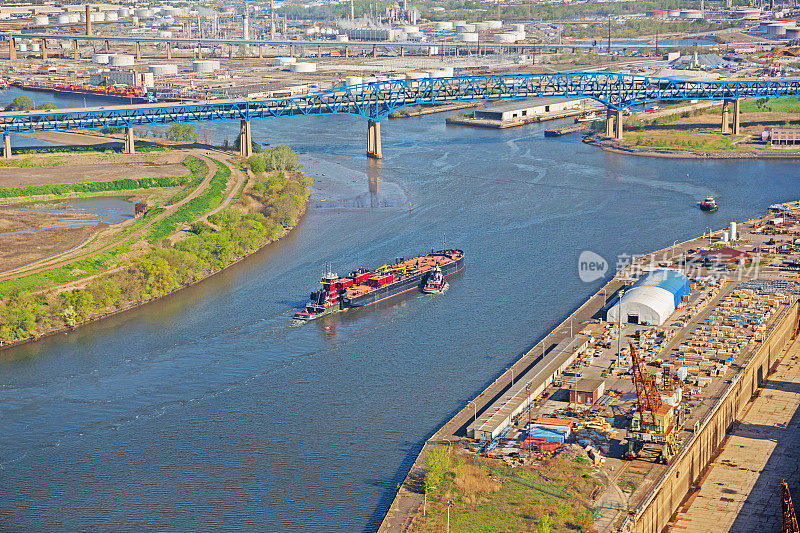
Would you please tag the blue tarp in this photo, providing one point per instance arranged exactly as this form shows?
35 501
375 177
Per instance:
669 280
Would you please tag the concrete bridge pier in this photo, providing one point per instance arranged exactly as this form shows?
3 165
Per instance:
245 140
260 52
731 123
75 52
199 53
6 146
614 123
44 49
12 48
106 47
138 51
374 139
129 148
169 50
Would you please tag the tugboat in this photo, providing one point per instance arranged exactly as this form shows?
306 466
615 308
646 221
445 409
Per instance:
322 302
587 116
435 284
709 204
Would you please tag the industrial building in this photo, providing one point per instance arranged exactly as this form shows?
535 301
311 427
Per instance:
720 257
514 111
499 416
652 299
587 391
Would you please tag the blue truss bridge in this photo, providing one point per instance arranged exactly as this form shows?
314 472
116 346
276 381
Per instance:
376 100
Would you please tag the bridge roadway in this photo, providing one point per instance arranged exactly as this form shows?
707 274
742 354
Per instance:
376 100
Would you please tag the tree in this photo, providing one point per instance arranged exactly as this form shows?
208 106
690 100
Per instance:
20 103
544 524
257 164
437 463
282 158
182 133
46 106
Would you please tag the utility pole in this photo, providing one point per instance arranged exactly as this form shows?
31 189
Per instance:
609 35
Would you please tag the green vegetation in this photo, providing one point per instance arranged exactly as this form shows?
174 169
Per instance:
29 162
280 158
182 133
790 104
24 102
638 27
547 497
195 207
141 148
230 233
199 169
93 186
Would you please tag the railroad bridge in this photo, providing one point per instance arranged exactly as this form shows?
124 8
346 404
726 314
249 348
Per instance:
374 101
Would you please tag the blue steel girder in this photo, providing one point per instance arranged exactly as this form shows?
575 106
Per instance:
376 100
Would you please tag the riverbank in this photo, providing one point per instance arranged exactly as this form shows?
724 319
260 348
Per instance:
218 223
620 147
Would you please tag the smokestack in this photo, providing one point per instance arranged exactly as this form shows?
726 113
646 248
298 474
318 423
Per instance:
271 19
88 20
246 28
352 11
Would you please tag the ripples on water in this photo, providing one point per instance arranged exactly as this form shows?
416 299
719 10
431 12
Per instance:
209 411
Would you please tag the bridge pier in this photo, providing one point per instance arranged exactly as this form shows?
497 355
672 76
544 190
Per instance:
260 52
138 51
199 50
169 50
107 47
725 117
614 123
374 139
44 49
245 140
88 20
6 146
731 123
129 148
12 48
76 55
736 117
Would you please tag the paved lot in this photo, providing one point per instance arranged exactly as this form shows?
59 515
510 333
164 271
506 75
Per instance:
740 492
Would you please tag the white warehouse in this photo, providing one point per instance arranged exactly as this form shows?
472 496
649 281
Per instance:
651 299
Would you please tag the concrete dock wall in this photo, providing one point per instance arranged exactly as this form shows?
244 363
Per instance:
688 466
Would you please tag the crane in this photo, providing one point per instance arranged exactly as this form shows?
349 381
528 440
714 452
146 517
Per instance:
789 518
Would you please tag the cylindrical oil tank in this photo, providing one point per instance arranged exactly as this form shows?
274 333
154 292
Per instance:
165 34
411 29
519 27
140 12
443 26
121 60
342 38
35 47
135 21
303 67
494 24
98 17
481 26
63 18
205 65
505 38
41 20
163 70
284 61
353 80
22 47
466 28
691 14
416 75
112 16
124 12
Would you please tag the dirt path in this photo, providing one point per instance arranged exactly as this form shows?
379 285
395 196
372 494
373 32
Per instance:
241 179
86 249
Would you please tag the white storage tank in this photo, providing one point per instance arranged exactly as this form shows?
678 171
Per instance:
448 71
691 14
124 12
135 21
416 75
443 26
519 27
353 80
163 70
63 18
203 66
284 61
734 235
41 20
481 26
468 37
342 39
370 79
466 28
35 47
22 47
438 74
140 12
165 34
411 29
303 67
74 17
776 28
120 60
494 24
112 16
98 17
505 38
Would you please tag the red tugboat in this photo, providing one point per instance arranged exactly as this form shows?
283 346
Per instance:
709 204
364 287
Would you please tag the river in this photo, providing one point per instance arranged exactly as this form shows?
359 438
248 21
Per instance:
208 410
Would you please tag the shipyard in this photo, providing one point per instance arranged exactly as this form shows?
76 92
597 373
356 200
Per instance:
214 230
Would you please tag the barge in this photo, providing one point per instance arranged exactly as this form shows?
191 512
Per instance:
364 287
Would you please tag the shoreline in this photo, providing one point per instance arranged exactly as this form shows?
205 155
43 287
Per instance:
133 305
614 146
